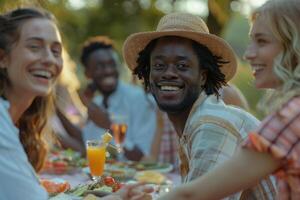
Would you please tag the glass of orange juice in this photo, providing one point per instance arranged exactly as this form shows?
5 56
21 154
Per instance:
96 156
119 129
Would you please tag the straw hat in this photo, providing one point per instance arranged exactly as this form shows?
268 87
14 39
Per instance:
183 25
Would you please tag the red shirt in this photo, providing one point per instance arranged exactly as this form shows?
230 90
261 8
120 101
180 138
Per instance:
279 134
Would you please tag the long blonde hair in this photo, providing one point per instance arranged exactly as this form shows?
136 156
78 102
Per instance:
283 18
33 122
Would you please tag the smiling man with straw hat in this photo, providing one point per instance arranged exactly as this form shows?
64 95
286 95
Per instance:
184 67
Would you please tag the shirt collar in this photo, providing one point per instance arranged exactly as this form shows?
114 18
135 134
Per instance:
5 103
202 97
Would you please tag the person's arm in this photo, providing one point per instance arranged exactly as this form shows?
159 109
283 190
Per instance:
18 178
70 143
70 128
242 171
99 116
138 191
95 113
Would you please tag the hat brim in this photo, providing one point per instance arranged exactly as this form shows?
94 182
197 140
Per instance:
135 43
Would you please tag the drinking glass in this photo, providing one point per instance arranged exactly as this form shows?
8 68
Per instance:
119 129
96 155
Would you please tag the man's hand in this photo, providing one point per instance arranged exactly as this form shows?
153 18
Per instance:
95 113
98 115
135 154
138 191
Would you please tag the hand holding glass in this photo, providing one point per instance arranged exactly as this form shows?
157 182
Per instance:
119 128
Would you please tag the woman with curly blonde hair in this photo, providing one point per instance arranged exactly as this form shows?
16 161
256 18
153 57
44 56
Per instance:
274 148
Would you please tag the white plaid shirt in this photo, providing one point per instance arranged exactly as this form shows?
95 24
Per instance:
212 132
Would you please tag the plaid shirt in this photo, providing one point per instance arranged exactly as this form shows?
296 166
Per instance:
211 134
279 134
168 151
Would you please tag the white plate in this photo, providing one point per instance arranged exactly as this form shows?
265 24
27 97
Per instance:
158 167
115 171
164 170
109 167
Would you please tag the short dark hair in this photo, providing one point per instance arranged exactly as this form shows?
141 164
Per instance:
208 62
93 44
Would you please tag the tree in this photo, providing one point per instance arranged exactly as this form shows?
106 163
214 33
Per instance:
219 15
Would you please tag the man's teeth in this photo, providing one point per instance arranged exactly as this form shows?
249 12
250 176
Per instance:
109 80
169 88
256 68
42 73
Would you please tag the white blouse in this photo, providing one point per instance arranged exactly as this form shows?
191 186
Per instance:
18 179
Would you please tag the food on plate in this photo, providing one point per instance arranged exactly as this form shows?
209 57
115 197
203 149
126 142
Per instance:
142 165
119 173
109 181
150 165
147 197
105 186
117 186
107 137
63 161
150 177
56 166
54 187
90 197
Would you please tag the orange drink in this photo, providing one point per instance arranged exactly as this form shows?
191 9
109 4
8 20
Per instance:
96 155
119 132
119 129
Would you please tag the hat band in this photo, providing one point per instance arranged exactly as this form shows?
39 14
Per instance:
174 27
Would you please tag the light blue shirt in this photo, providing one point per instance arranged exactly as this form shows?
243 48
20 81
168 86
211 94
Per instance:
18 180
130 101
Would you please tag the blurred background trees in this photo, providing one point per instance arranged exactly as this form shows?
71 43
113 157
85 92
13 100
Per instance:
80 19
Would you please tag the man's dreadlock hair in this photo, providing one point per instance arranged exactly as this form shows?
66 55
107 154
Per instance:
207 62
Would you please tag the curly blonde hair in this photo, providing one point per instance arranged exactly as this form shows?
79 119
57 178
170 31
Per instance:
33 122
283 18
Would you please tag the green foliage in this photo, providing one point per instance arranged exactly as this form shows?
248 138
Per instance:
236 33
119 18
115 18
